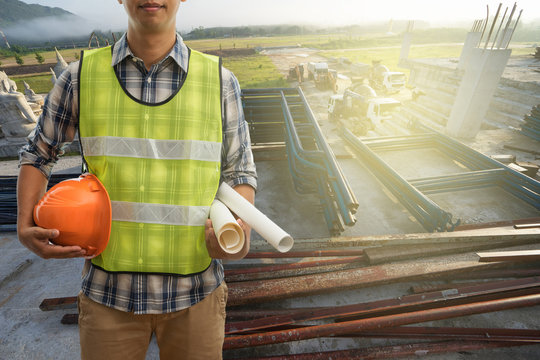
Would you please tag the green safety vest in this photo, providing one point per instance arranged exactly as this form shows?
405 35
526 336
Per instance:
160 164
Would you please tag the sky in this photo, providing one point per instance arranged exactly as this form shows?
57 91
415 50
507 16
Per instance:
108 14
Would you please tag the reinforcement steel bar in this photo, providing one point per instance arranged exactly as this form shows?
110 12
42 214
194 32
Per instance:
499 29
493 25
337 193
8 197
404 303
309 253
346 196
293 266
427 212
251 292
485 172
357 326
287 273
282 116
395 351
470 334
485 25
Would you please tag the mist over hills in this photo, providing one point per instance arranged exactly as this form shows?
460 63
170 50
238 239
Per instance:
14 11
33 23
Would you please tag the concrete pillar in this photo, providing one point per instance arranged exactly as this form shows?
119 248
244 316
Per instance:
482 73
405 46
504 39
471 41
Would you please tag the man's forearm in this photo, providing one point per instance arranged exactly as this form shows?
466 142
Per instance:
31 186
246 191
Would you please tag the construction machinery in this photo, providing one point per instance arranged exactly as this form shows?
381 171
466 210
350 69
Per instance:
323 77
361 106
383 79
296 73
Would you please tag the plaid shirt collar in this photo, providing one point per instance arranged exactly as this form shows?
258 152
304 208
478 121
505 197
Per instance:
179 53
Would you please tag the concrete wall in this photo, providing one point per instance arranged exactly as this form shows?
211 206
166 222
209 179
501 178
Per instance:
483 71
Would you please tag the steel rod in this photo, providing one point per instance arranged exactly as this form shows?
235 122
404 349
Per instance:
485 25
276 337
309 253
514 29
506 27
493 25
395 351
293 266
401 304
499 29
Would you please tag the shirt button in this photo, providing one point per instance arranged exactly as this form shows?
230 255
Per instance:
140 261
141 188
146 116
149 80
141 225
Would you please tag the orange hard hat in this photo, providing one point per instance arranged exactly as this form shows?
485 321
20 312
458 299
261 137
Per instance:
81 211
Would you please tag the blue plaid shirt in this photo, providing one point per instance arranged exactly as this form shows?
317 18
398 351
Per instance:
138 292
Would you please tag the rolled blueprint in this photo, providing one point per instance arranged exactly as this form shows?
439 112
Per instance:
272 233
229 234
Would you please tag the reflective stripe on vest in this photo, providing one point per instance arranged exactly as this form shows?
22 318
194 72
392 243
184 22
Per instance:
160 164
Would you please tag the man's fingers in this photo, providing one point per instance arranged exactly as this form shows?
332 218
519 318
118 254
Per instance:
51 251
41 245
45 234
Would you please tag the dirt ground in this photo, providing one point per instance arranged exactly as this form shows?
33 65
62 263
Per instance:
488 142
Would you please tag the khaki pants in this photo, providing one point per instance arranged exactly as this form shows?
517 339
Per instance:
193 333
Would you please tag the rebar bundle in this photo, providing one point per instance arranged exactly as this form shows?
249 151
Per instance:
531 127
484 172
278 116
8 198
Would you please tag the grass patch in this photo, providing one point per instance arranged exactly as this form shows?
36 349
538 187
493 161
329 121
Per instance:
41 84
263 41
255 71
69 55
390 56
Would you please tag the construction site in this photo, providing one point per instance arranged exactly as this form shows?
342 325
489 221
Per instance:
413 198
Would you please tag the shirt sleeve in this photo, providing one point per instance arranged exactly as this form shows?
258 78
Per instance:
56 126
237 164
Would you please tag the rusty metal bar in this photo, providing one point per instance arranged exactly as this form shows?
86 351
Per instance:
301 254
507 25
275 337
448 333
499 29
58 303
395 351
293 266
514 29
521 255
503 223
250 292
485 25
493 25
500 273
70 319
526 226
294 272
403 303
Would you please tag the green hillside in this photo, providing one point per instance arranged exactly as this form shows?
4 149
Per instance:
15 10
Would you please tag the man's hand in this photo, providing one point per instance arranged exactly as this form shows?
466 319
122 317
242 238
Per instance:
212 245
37 240
216 252
31 186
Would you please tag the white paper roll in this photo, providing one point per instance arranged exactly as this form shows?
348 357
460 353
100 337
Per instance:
272 233
229 234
